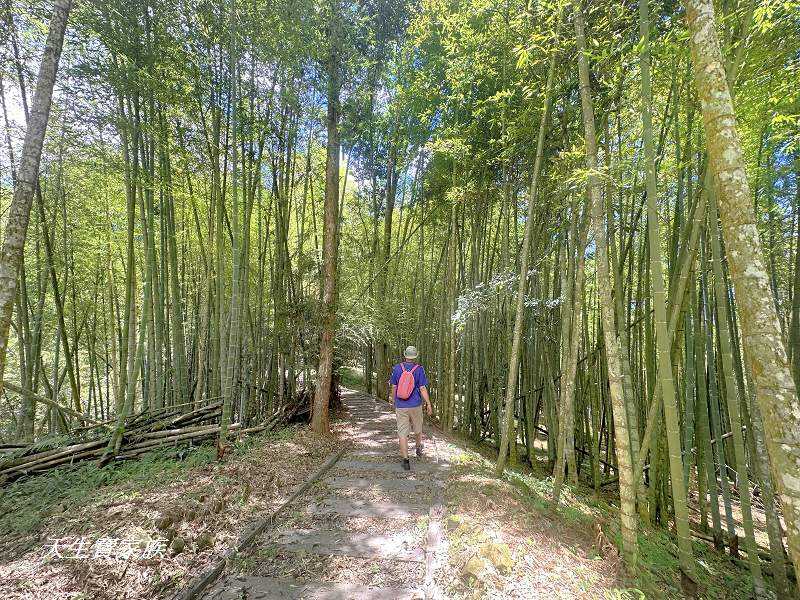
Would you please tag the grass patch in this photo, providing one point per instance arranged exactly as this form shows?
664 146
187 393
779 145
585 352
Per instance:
575 509
659 573
575 516
352 378
625 594
467 458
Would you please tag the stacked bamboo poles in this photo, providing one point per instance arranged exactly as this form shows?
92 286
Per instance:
145 432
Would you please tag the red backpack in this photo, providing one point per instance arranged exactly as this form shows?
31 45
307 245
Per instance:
405 387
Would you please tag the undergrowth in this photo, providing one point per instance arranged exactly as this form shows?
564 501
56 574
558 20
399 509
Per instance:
658 567
659 572
352 378
26 503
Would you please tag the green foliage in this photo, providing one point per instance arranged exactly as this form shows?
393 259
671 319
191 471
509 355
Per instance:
352 378
626 594
660 573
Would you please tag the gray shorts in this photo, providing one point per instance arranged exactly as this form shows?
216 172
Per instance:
408 419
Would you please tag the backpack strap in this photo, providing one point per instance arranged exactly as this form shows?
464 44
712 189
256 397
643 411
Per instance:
414 368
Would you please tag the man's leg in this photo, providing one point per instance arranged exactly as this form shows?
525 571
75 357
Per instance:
416 422
403 446
403 426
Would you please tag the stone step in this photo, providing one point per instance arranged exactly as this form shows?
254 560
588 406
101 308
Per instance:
388 466
388 452
391 485
347 543
377 428
269 588
348 507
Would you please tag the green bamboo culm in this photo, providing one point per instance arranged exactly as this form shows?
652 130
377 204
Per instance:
663 340
733 401
628 516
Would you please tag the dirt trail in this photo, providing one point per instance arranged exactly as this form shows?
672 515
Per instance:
368 530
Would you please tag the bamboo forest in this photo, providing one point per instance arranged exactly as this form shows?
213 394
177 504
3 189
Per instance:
397 299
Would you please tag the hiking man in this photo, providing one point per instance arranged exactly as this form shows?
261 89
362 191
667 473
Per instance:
409 388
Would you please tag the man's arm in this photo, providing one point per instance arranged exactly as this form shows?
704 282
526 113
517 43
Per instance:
391 393
424 391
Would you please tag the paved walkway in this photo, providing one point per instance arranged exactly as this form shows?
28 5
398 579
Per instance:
369 530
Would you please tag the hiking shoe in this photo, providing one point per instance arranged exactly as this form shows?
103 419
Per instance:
419 452
406 464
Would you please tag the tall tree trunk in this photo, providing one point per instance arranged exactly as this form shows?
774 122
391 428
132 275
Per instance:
180 376
732 398
230 379
28 174
319 417
382 263
663 336
794 323
761 334
571 309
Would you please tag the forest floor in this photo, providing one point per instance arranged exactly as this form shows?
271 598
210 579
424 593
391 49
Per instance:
105 522
500 537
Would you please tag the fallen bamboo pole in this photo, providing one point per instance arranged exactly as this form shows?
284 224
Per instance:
24 463
45 463
145 436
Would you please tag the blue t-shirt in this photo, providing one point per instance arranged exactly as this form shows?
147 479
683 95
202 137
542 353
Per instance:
415 399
